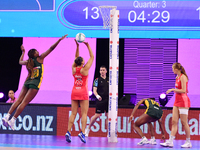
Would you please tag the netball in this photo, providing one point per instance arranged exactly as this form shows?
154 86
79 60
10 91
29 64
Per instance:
80 37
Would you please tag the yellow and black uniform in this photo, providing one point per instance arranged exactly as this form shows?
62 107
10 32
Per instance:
102 86
153 109
35 80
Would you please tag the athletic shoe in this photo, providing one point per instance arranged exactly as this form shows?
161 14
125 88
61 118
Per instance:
152 141
82 137
11 124
5 121
68 137
143 141
187 144
168 143
87 132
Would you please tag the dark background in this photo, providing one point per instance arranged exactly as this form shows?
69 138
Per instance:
10 53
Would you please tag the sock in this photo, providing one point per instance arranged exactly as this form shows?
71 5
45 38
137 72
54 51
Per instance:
13 119
171 137
143 137
188 139
153 137
7 116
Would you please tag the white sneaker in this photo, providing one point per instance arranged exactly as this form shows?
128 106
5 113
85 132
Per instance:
11 124
187 144
87 132
143 141
152 141
168 143
5 121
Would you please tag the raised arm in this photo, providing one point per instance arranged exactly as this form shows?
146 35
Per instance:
76 53
90 61
135 108
43 55
21 59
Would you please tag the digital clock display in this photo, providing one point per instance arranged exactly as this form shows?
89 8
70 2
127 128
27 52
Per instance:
158 15
138 18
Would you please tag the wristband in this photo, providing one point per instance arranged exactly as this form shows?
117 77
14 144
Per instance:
98 96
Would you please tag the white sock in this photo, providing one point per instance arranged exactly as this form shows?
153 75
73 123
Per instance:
143 137
7 116
188 139
153 137
171 138
13 119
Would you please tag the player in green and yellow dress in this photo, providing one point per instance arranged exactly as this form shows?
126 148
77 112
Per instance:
153 113
32 84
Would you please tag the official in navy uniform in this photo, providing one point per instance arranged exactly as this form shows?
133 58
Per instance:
100 90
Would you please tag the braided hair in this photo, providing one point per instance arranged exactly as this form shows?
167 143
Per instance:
30 63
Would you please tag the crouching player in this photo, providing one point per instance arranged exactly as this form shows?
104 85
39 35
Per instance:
153 113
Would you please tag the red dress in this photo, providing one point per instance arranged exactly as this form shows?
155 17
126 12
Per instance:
181 99
80 88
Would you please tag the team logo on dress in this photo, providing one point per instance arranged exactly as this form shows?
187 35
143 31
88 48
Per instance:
156 107
76 76
78 82
35 72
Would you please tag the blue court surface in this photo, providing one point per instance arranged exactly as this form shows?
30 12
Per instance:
49 142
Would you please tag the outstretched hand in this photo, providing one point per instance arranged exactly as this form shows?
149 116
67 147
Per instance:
76 42
130 118
22 48
86 43
63 36
169 90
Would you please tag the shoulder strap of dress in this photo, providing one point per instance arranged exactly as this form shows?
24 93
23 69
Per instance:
180 76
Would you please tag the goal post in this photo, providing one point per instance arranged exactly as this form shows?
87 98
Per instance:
111 21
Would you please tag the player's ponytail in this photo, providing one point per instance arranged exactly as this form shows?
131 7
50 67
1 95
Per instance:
183 71
180 67
30 63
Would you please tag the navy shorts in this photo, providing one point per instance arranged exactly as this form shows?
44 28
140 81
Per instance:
101 107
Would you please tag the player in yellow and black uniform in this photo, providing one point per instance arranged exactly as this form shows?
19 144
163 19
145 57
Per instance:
34 65
35 79
153 109
153 113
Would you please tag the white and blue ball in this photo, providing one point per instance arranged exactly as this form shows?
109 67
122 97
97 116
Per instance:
80 37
